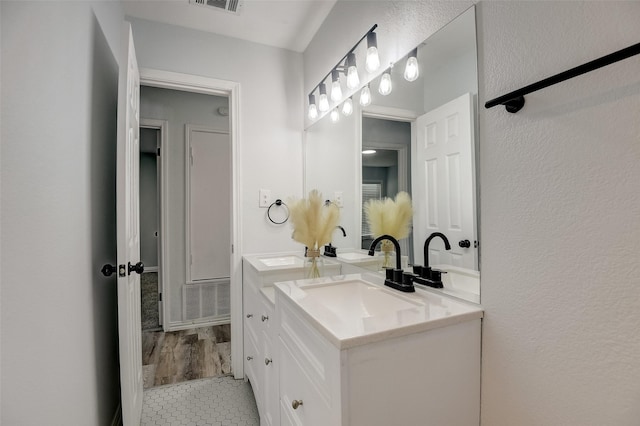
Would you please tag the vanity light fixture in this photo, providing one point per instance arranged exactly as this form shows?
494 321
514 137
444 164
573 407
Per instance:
335 115
313 109
411 69
372 62
346 65
365 96
353 80
336 90
385 83
369 151
323 102
347 107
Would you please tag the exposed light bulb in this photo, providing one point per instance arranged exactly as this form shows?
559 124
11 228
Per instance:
336 90
353 80
335 115
369 151
313 112
372 61
323 101
365 96
313 109
385 84
411 70
347 107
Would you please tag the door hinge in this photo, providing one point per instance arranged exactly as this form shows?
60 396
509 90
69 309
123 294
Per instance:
158 152
159 297
191 154
232 248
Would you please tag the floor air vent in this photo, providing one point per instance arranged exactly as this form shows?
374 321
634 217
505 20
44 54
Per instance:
232 6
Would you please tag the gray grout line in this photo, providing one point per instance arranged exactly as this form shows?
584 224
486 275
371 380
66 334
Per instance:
214 401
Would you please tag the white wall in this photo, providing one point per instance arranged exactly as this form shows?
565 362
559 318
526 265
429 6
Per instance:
560 204
271 103
560 217
59 98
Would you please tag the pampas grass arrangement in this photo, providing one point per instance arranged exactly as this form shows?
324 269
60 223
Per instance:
313 225
390 217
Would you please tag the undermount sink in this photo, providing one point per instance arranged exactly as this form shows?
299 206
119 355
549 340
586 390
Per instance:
353 256
355 309
281 261
358 299
269 268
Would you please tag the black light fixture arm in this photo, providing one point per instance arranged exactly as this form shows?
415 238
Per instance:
339 66
514 101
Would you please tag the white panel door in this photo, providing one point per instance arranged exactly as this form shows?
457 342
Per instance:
444 183
128 233
209 200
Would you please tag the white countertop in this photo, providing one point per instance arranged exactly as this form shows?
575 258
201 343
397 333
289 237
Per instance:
357 309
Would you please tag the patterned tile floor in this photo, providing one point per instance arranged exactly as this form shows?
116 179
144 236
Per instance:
218 401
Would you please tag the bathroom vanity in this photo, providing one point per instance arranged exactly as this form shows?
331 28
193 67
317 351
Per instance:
345 350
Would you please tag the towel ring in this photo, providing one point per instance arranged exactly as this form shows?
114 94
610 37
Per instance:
278 202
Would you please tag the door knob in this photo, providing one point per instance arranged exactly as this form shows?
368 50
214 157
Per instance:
264 318
107 269
138 268
296 403
267 361
464 243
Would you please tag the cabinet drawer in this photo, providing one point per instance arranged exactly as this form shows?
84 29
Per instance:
313 352
296 385
266 315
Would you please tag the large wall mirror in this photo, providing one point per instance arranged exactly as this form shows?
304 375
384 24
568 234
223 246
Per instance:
420 138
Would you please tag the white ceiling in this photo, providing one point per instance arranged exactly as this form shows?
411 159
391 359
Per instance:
288 24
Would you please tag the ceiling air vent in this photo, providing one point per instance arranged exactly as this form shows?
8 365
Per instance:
232 6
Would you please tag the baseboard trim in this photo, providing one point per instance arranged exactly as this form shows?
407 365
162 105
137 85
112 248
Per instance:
117 417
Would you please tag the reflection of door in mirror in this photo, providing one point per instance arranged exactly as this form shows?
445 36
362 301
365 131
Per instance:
444 182
386 146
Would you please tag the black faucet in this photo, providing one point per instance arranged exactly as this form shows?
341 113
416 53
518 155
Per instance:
425 275
329 250
395 278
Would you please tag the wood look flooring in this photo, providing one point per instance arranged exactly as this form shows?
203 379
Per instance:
179 356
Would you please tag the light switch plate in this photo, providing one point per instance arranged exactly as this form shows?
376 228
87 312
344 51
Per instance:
265 198
337 198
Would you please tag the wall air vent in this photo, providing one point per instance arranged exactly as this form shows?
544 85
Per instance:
231 6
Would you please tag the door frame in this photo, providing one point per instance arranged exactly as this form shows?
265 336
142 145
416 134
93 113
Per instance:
230 89
163 206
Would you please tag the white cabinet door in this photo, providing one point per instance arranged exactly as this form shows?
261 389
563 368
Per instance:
128 233
444 183
300 402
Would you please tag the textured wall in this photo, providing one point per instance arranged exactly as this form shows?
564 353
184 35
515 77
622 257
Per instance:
560 217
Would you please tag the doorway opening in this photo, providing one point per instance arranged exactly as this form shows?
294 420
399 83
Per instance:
150 229
192 138
386 166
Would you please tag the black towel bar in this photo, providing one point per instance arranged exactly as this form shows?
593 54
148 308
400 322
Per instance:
514 101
